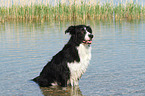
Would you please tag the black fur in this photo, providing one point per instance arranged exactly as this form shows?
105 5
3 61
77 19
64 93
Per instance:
57 70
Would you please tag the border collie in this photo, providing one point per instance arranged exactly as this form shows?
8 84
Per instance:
68 65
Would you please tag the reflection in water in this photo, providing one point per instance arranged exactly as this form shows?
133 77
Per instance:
116 68
61 91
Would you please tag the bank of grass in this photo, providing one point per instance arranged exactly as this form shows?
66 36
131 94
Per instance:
64 12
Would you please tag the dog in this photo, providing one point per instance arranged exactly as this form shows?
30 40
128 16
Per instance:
68 65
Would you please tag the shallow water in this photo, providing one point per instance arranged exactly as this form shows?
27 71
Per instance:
117 66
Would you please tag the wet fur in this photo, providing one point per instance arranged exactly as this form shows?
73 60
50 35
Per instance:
68 65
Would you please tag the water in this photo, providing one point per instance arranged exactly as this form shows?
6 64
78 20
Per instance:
117 66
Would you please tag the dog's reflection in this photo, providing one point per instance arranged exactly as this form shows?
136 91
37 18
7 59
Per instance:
61 91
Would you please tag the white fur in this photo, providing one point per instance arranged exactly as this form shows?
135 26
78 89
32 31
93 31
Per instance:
87 34
78 68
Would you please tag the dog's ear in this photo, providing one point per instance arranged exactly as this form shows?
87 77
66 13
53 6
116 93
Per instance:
70 30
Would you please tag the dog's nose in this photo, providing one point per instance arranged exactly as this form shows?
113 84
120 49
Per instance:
91 36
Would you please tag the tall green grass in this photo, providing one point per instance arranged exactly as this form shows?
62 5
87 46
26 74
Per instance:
64 12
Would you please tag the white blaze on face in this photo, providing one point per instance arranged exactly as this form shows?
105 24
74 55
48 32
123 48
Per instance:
87 34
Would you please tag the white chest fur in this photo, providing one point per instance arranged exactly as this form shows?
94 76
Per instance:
78 68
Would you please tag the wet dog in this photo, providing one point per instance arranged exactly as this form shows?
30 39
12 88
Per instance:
68 65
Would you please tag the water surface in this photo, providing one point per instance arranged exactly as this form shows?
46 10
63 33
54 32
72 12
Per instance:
117 66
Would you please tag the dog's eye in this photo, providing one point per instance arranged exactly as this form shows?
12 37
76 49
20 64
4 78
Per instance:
89 29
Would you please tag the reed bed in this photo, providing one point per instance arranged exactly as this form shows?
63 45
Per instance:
71 11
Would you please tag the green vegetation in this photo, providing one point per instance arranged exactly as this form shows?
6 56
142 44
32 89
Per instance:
73 11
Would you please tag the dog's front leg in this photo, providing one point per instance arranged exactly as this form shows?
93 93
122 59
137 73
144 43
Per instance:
64 83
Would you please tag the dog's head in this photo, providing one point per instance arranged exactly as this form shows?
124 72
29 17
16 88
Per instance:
80 34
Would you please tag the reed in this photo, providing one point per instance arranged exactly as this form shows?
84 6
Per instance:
72 11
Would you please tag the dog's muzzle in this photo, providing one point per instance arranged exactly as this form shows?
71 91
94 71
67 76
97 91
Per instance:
89 41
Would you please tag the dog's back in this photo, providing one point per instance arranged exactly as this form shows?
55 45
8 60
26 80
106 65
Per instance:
67 66
57 70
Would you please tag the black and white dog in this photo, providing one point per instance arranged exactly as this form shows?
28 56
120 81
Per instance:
68 65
